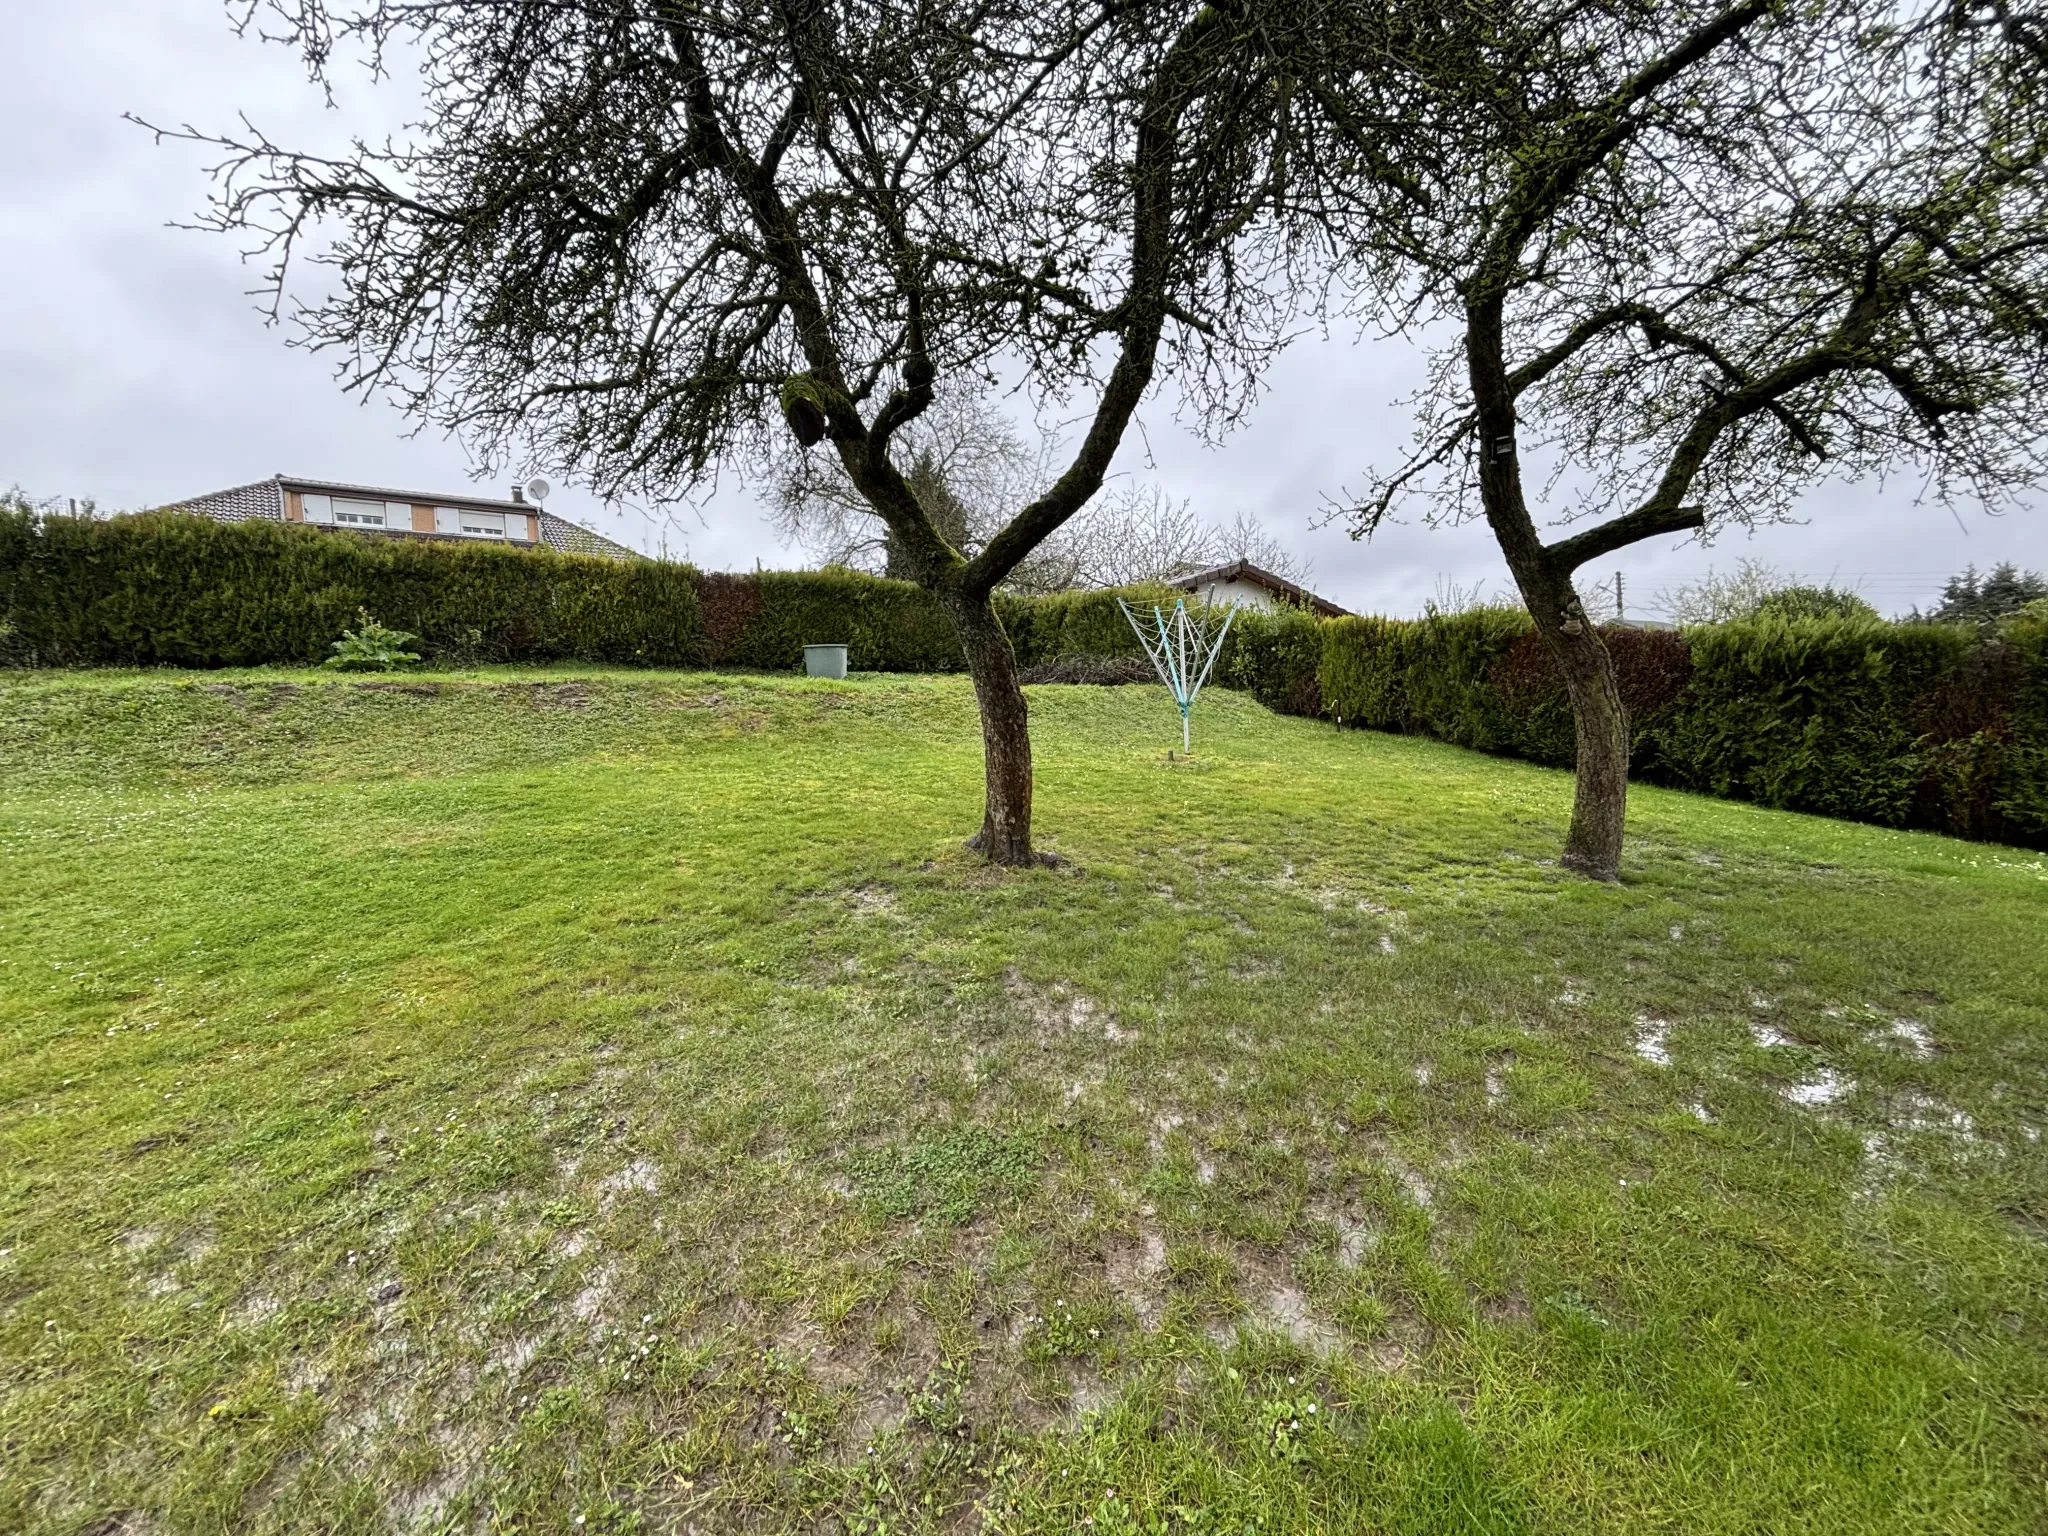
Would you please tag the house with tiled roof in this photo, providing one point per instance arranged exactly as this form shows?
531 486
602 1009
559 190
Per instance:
1242 584
379 511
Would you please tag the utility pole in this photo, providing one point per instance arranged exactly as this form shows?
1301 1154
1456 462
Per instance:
1620 608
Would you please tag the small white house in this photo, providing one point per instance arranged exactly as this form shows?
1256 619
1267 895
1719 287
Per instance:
1240 584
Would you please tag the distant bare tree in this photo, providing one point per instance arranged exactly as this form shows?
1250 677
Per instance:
969 463
633 239
1718 596
964 459
1139 533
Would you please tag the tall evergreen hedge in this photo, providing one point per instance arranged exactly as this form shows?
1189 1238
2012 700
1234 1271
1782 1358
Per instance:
886 626
1924 725
2020 799
170 589
1908 725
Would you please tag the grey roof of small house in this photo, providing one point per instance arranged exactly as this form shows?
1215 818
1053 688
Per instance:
575 539
264 500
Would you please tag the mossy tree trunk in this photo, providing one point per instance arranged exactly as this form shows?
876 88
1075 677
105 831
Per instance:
1005 835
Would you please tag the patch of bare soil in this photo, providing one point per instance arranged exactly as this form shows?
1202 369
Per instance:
411 690
1136 1270
559 696
1061 1011
872 899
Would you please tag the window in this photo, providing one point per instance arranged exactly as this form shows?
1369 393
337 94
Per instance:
359 514
489 525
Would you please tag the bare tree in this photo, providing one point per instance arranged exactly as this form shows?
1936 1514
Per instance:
969 464
1138 533
1720 596
1244 537
965 460
1695 254
628 236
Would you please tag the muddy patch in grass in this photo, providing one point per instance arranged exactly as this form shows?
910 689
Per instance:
1136 1271
1653 1040
1060 1012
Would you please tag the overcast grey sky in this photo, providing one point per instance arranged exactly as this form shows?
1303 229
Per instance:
135 368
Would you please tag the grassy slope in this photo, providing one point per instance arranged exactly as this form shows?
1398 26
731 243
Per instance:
526 1097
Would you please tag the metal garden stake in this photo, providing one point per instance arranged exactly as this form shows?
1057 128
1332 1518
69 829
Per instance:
1183 653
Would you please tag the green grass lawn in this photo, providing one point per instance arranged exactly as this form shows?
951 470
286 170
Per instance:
576 1102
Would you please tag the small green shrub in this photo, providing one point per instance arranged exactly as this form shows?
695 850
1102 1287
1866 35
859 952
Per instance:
371 647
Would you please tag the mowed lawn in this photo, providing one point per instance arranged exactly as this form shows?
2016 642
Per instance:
575 1102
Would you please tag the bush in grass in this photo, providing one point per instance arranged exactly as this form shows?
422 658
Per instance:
371 647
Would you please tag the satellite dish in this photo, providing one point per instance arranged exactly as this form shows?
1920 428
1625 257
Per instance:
537 489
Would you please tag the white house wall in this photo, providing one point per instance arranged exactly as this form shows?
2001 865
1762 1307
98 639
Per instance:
1239 594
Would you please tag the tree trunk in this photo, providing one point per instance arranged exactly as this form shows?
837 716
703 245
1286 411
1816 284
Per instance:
1600 798
1600 721
1592 846
1005 835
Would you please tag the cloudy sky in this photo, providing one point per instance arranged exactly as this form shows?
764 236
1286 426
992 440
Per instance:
135 368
